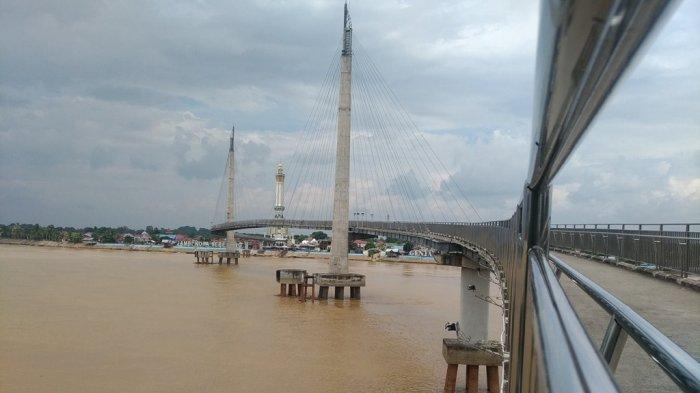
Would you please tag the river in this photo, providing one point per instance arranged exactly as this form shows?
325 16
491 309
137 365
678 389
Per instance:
118 321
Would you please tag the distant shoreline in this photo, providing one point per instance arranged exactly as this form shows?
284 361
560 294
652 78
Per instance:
144 248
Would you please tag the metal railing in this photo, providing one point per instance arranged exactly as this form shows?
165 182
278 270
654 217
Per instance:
572 363
680 366
584 48
677 249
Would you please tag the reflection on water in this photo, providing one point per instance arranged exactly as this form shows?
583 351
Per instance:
98 320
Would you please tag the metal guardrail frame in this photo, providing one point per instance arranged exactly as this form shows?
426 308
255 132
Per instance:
572 363
584 48
670 250
680 366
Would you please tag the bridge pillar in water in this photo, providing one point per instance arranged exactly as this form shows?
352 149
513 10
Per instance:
341 194
230 235
474 312
230 241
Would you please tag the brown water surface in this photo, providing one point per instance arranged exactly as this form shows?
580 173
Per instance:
119 321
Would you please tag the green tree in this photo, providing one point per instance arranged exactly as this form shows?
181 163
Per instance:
319 235
153 233
75 237
108 236
370 245
186 230
17 231
407 247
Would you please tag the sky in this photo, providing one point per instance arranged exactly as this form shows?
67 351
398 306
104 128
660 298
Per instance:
118 113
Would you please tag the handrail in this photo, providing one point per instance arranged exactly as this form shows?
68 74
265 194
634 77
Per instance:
571 360
680 366
631 224
620 234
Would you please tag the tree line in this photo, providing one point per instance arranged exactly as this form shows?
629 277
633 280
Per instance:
101 234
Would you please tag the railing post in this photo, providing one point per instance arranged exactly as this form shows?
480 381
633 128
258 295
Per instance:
639 242
607 245
687 250
621 242
613 343
661 246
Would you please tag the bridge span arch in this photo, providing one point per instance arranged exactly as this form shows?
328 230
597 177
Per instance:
450 239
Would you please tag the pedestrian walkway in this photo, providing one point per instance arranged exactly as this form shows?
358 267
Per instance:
673 309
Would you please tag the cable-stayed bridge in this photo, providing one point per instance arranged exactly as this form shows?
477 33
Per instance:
363 166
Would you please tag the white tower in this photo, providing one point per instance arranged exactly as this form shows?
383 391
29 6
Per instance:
279 192
341 194
280 234
230 235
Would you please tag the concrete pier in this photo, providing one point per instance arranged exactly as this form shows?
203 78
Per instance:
341 194
291 281
339 282
228 255
204 256
488 354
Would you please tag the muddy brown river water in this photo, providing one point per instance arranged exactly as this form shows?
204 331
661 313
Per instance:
118 321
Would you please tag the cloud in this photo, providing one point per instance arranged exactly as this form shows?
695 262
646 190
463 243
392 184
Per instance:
119 113
101 157
685 189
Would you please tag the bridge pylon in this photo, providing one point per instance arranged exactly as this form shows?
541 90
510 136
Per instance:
230 235
341 194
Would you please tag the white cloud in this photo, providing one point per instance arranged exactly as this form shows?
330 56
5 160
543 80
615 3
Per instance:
561 195
119 113
685 189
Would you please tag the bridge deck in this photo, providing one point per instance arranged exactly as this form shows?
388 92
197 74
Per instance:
671 308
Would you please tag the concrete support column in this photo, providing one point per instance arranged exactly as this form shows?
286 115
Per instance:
323 292
341 195
474 312
230 241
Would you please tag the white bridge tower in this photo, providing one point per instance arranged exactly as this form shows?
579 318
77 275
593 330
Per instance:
230 235
341 194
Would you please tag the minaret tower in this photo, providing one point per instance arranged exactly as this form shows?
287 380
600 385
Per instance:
280 234
230 235
341 195
279 192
